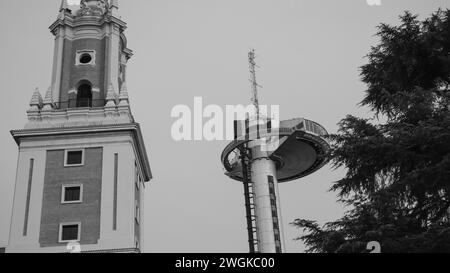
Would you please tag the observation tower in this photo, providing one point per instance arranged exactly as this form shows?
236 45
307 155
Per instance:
265 153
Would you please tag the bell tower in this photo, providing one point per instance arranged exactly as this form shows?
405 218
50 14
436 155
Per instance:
90 54
82 166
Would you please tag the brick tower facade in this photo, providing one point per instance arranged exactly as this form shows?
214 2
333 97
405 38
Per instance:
82 165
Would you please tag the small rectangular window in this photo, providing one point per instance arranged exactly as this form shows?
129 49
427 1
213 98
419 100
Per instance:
72 194
74 158
69 232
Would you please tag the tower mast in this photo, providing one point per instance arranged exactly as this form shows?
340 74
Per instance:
303 151
255 85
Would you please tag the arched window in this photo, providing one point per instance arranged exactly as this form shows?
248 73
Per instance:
84 96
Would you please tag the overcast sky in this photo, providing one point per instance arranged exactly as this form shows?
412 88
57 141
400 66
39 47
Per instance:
309 52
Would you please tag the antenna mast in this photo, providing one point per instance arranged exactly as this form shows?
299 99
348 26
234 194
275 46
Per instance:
255 85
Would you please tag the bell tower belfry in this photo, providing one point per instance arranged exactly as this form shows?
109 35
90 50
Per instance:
90 54
82 166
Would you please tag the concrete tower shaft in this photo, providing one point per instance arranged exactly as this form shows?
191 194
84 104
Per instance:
267 205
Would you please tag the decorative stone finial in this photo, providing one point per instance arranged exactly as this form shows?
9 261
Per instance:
123 97
48 101
115 4
111 96
36 100
93 7
114 7
64 5
64 9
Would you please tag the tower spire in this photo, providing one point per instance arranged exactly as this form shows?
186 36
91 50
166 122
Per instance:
36 100
48 100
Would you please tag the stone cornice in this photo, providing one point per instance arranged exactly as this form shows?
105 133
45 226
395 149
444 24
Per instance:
45 119
128 52
74 22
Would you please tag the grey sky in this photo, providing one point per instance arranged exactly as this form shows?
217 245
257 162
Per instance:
309 52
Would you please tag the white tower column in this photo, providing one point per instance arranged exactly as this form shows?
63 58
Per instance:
266 201
57 63
113 57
